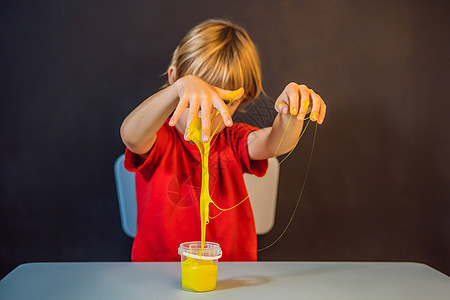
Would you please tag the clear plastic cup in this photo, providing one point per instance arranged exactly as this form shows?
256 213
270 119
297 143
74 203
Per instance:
199 268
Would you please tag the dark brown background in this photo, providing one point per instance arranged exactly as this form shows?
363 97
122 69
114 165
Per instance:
378 189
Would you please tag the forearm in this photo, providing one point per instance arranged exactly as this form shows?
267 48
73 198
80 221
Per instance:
138 130
276 143
268 142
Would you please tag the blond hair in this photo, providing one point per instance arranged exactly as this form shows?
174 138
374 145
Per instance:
222 54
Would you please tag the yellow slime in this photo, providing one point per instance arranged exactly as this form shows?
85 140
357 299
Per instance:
195 135
198 275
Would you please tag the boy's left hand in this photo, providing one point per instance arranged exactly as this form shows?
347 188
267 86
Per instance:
299 100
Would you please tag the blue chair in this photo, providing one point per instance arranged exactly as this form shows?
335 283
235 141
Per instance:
126 193
263 198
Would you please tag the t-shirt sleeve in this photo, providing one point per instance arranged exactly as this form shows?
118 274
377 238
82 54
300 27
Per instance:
239 138
134 162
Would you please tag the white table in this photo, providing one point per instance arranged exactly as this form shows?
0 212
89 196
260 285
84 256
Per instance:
236 280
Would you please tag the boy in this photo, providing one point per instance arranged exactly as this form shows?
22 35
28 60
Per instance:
214 58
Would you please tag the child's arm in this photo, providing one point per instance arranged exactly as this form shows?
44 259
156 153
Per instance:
296 100
138 130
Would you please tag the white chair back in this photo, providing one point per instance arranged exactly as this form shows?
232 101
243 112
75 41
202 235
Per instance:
264 197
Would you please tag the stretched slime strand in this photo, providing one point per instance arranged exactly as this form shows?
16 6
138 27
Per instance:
299 196
195 134
275 154
262 179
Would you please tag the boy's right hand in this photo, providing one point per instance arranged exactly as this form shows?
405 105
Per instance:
197 95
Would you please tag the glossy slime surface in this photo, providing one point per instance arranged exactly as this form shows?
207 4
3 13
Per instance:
198 275
195 135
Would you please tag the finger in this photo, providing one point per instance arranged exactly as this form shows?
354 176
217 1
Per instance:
323 108
304 101
281 106
181 107
206 117
316 101
194 104
224 111
230 95
212 113
292 90
323 111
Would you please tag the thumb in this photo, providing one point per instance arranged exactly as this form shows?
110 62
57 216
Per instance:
231 95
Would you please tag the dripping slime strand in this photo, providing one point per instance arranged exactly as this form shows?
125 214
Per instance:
195 135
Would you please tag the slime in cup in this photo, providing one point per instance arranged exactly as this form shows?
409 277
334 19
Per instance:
199 267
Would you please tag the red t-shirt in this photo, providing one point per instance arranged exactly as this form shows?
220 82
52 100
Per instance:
168 194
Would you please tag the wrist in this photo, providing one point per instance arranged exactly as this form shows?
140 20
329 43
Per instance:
179 84
172 91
